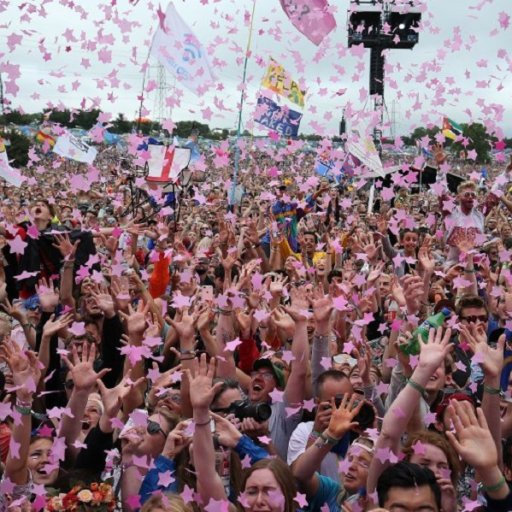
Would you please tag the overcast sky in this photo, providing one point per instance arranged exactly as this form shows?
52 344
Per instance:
82 52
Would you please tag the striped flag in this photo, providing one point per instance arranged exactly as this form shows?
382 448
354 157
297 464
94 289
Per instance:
44 137
451 130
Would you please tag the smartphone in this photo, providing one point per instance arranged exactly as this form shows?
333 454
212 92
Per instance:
207 293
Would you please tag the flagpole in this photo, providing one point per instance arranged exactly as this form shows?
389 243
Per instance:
237 149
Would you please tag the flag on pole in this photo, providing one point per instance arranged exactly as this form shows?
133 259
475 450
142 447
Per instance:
451 130
10 175
278 80
280 119
72 147
310 17
166 163
365 151
44 137
177 48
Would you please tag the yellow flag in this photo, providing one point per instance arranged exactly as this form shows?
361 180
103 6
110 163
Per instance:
278 80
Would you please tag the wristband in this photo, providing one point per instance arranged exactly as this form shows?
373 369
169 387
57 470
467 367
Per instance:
491 391
328 439
202 424
420 389
24 411
189 351
495 487
187 358
469 270
27 324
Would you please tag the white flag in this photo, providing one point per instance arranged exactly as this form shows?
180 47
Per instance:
177 48
166 163
364 150
72 147
9 174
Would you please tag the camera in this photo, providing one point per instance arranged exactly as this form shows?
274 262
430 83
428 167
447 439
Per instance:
244 409
365 417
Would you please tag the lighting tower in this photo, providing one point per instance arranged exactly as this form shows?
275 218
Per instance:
381 25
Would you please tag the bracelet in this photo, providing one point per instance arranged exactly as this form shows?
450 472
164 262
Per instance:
187 358
192 351
420 389
495 487
491 391
328 439
314 434
202 424
223 311
469 270
28 324
24 411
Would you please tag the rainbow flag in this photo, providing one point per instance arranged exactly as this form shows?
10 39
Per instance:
45 137
451 130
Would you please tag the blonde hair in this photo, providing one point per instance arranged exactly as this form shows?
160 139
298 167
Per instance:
168 502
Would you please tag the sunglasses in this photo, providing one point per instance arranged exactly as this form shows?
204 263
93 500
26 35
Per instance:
469 194
473 319
154 428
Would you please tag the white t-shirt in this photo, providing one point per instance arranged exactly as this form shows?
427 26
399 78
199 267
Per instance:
459 225
297 446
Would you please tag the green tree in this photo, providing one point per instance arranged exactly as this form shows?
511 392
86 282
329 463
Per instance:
479 140
419 133
17 150
19 118
185 128
121 125
86 119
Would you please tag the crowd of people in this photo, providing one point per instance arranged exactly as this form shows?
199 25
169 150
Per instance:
302 350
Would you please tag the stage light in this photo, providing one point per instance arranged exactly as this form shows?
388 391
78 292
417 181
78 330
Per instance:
401 26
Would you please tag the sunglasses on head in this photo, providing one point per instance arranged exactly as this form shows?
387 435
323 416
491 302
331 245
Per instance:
473 319
154 428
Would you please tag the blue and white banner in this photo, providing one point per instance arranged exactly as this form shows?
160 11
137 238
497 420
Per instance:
280 119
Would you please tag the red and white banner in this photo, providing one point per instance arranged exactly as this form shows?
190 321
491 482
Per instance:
166 163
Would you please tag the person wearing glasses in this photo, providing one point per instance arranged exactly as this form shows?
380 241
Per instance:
464 222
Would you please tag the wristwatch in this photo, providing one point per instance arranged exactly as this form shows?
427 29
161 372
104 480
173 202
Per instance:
325 439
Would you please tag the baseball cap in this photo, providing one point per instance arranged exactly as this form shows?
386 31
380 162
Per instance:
267 363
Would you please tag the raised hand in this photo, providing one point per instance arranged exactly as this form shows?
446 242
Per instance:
438 346
82 369
54 325
24 366
227 434
375 272
113 398
492 358
136 319
472 439
177 440
65 246
244 321
202 390
104 301
342 417
425 256
284 322
14 310
48 295
185 323
322 306
414 289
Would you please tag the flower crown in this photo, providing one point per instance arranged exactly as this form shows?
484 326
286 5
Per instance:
98 497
